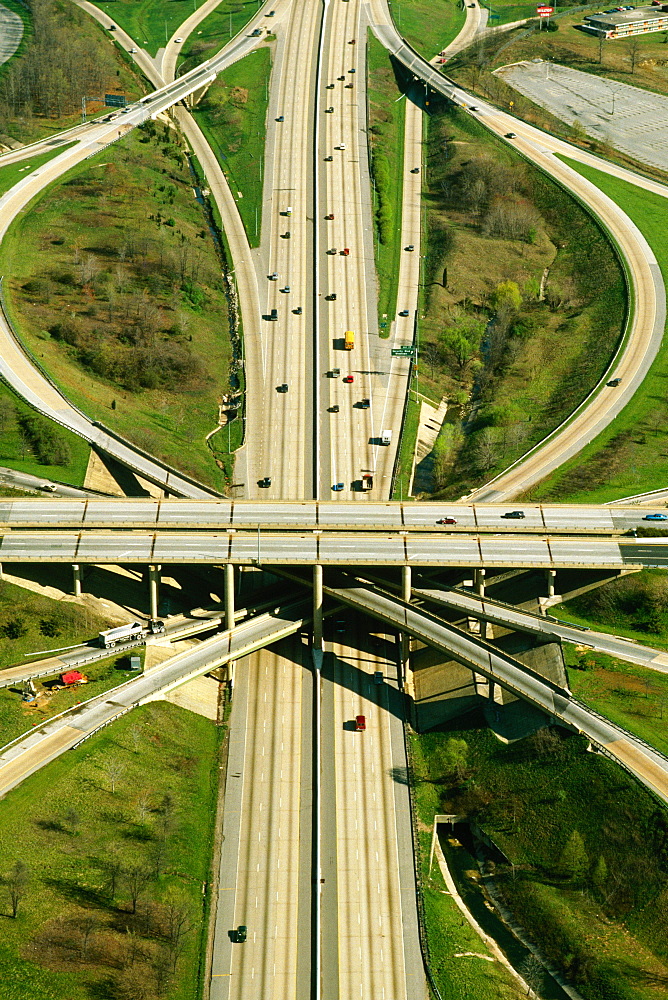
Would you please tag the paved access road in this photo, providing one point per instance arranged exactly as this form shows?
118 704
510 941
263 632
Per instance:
42 745
507 616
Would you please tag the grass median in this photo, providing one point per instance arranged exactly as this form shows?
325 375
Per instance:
428 25
232 116
215 31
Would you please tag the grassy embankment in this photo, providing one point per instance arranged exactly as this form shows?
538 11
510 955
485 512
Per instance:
629 456
115 840
531 312
148 23
232 115
428 25
585 880
215 31
18 717
132 321
454 947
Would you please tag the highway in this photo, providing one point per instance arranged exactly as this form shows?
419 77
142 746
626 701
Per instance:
645 763
187 516
265 881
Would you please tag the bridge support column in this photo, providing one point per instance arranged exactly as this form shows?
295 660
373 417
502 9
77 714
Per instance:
479 581
229 595
406 672
551 576
153 589
76 573
317 606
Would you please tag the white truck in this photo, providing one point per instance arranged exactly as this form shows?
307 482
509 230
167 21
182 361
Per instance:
386 437
133 632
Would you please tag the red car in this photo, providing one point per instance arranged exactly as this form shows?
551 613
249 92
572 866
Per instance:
360 723
344 253
348 378
447 520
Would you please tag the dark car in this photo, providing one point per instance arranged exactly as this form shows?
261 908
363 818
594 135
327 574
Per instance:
415 170
403 312
655 517
280 118
447 520
331 297
515 514
329 111
265 483
334 408
614 382
241 934
364 404
297 311
511 135
282 388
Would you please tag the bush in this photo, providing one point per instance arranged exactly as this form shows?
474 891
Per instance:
49 446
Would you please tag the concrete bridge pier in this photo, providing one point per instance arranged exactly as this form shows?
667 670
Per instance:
76 574
479 581
154 588
551 577
406 672
317 606
229 596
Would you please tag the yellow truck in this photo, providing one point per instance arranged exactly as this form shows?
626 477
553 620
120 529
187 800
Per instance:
349 342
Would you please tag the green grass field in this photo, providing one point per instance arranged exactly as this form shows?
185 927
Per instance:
629 695
631 454
216 30
135 278
14 172
18 452
233 115
115 837
148 23
428 25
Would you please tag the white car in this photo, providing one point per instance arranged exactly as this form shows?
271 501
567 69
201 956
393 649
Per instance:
178 40
340 146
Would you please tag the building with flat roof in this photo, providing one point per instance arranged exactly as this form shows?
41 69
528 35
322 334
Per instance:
623 23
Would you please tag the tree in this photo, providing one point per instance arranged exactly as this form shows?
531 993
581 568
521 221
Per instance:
17 885
507 295
633 49
136 879
532 973
113 769
87 925
178 925
574 862
599 876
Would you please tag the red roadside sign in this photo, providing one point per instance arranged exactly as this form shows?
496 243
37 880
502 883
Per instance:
544 11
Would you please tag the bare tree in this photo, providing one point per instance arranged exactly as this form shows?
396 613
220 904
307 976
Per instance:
143 805
532 973
87 925
136 878
633 49
113 769
17 885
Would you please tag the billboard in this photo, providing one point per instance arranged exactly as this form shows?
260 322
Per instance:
544 11
115 100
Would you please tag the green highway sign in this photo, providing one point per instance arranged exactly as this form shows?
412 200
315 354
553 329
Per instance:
402 352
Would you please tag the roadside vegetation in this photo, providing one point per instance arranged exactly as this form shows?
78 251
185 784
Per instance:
65 57
51 698
232 114
585 881
524 303
129 313
386 114
630 455
214 32
428 25
15 172
31 443
635 606
31 622
103 893
148 23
